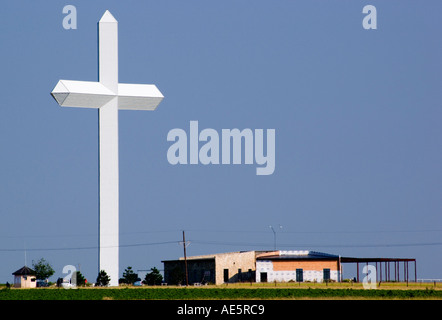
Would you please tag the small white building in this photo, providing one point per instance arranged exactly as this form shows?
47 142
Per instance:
25 278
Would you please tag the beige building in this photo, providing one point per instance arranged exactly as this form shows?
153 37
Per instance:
25 278
213 268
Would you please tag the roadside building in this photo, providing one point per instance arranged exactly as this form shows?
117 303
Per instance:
24 278
280 266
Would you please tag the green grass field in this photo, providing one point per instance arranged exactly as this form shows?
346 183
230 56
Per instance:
233 291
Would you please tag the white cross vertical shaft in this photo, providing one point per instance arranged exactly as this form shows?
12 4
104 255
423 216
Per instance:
108 144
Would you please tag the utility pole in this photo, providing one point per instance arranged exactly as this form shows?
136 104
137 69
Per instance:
185 258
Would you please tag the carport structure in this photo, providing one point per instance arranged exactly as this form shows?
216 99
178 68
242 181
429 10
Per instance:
385 268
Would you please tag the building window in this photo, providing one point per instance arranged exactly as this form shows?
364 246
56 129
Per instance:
326 274
299 275
226 275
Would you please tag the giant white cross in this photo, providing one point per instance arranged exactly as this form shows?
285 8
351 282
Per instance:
108 96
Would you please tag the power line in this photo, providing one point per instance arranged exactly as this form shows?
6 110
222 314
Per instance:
243 244
237 243
89 247
64 235
224 231
317 231
318 245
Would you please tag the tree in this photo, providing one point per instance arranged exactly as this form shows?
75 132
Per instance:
81 281
129 276
153 278
43 270
103 279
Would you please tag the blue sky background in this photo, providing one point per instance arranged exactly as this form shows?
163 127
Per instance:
357 115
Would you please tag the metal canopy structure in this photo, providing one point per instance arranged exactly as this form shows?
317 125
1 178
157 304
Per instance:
386 267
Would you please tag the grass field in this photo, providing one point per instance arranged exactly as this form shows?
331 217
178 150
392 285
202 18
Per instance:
388 291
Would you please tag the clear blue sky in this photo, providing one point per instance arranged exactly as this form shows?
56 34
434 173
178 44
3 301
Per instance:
357 115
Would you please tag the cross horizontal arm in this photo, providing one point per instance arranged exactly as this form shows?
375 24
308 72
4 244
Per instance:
138 96
90 94
81 94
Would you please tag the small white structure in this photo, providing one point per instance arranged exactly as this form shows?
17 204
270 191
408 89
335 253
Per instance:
297 265
108 96
25 278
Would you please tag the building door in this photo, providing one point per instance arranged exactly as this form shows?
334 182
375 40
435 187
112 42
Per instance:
226 275
263 276
299 275
326 275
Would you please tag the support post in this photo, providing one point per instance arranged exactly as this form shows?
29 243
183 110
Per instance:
415 272
376 268
388 267
380 271
395 271
407 273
